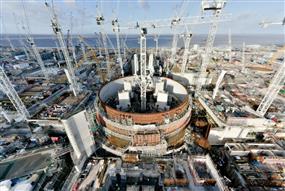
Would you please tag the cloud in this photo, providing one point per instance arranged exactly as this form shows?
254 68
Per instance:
38 15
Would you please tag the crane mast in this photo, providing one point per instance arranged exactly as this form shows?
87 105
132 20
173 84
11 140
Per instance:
58 51
107 57
98 43
5 115
124 53
20 38
274 87
116 29
155 39
3 27
10 43
143 82
70 47
25 49
83 49
31 41
38 57
230 46
186 52
173 50
71 74
70 43
100 21
243 57
216 6
218 83
273 90
7 87
175 22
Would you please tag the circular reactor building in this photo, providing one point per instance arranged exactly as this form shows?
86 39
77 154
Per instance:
157 130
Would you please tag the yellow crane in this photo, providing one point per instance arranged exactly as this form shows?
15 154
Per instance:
91 54
277 54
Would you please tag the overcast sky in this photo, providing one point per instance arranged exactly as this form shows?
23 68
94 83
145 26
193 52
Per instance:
246 15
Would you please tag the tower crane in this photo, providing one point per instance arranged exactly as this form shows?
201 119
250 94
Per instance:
38 57
10 43
100 22
230 45
82 48
143 82
7 37
125 47
7 87
155 39
173 48
158 24
98 43
243 57
275 85
31 42
186 52
183 21
25 49
92 53
150 64
116 29
69 43
58 50
174 24
70 39
216 6
5 115
74 85
20 38
218 83
266 24
111 45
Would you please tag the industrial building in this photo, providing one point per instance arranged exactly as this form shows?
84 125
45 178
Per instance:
183 173
255 166
154 131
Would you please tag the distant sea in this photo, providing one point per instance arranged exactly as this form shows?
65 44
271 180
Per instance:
164 40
